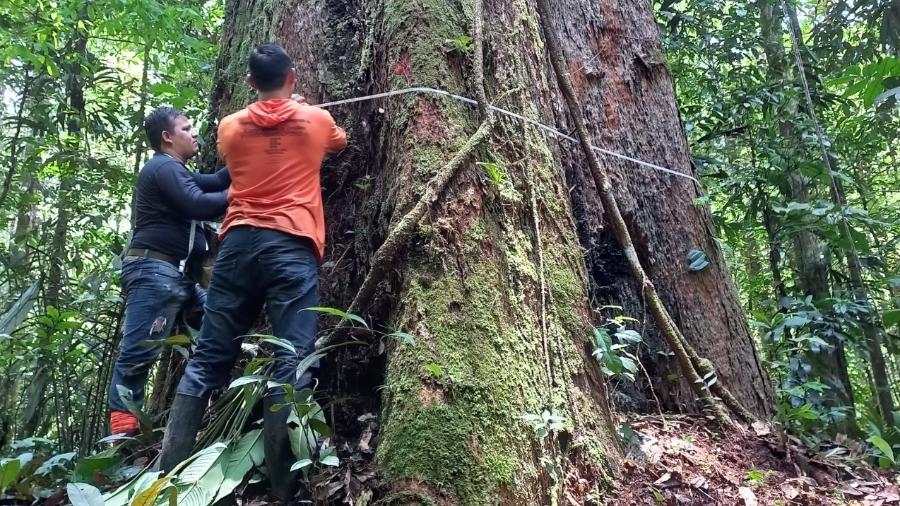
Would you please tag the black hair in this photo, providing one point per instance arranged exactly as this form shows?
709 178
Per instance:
160 120
269 66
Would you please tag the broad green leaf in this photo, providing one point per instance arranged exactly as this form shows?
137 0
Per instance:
115 438
82 494
9 472
403 337
246 380
240 462
201 462
122 496
301 464
303 442
282 343
795 321
629 364
199 482
891 317
86 468
55 461
159 89
331 460
341 314
883 447
628 336
320 426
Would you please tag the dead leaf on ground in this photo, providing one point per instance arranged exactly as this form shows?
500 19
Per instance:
652 450
790 492
698 481
748 496
761 428
891 494
364 440
667 480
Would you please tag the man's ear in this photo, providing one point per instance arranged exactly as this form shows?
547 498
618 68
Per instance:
292 78
250 81
165 137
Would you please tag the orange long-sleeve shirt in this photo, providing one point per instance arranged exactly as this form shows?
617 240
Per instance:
274 151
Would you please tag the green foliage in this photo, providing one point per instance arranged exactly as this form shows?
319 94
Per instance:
66 184
462 44
613 356
545 424
494 172
775 207
756 477
82 494
886 457
344 316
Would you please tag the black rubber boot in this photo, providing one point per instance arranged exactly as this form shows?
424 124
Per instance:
277 443
181 432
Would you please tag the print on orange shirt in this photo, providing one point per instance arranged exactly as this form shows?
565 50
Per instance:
274 151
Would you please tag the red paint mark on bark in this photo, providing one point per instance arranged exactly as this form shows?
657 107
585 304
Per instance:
403 67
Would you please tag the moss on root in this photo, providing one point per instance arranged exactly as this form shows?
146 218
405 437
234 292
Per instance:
459 428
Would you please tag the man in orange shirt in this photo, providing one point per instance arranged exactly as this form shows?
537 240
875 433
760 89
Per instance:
273 240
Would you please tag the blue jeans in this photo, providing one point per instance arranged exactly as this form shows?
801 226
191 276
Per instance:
155 293
256 266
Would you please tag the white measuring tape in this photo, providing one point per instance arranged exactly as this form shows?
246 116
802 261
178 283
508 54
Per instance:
548 129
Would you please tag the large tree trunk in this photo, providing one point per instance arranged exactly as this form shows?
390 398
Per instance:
627 93
494 284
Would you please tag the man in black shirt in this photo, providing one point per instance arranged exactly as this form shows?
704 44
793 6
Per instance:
157 269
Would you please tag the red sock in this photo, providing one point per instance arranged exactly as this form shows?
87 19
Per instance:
123 422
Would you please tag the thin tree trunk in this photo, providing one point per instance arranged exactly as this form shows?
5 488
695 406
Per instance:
56 272
140 149
775 252
829 366
14 142
870 323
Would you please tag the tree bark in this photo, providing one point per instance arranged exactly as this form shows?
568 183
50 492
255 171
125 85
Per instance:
493 283
627 95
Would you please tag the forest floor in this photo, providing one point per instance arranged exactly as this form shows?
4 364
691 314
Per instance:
677 460
673 460
670 460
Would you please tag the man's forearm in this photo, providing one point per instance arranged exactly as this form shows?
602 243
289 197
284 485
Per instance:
216 182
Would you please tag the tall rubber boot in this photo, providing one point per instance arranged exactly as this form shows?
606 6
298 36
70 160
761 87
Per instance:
277 444
181 432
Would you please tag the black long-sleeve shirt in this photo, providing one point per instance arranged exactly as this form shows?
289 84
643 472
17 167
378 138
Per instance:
168 197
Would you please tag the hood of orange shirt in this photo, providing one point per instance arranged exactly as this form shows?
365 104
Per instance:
271 112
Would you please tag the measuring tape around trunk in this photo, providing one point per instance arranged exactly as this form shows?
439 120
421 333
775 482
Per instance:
550 130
